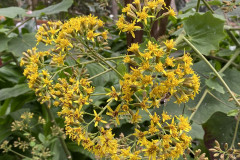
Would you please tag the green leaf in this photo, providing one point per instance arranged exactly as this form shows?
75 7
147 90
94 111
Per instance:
121 68
42 138
18 45
219 127
11 12
94 69
213 84
53 9
3 42
233 112
57 149
197 131
204 31
13 91
225 52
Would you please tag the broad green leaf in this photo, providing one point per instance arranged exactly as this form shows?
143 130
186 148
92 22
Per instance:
3 42
225 52
73 147
197 131
57 150
204 31
11 12
18 45
121 68
4 107
233 112
220 127
53 9
213 84
94 69
13 91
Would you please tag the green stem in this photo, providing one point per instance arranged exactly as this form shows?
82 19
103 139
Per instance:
199 103
223 60
235 55
236 131
198 5
219 99
64 146
98 94
61 71
213 69
99 74
100 58
208 6
234 39
21 155
100 113
18 26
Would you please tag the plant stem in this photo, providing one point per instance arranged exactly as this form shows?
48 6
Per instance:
234 39
199 103
98 94
213 69
198 5
18 26
21 155
236 131
100 58
235 55
223 60
219 99
208 6
64 146
99 74
100 113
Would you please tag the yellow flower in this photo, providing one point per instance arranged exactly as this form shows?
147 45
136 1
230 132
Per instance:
91 35
152 149
130 28
170 44
115 113
97 119
143 15
113 94
171 12
136 117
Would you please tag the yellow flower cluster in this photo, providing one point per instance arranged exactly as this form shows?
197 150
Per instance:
154 78
148 12
158 76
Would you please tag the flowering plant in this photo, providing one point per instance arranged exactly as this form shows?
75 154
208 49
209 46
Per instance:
59 77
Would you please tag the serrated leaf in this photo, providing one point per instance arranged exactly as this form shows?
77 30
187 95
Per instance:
13 91
204 31
233 112
53 9
213 84
11 12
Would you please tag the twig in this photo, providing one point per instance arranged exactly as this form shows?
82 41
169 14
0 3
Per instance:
199 103
208 6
